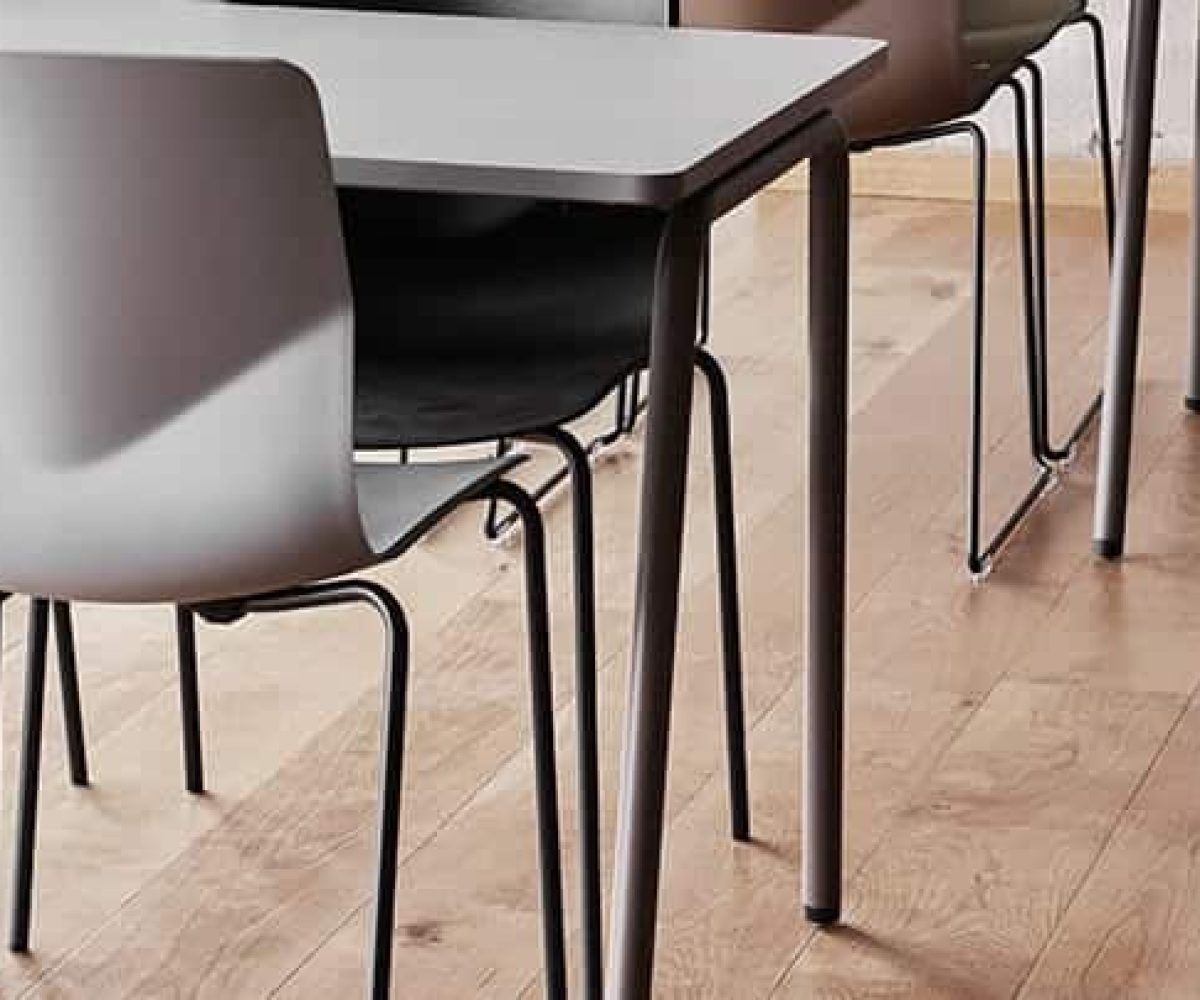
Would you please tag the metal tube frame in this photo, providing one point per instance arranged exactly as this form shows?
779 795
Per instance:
1063 454
1049 459
189 700
981 556
495 527
73 726
574 470
30 775
391 737
579 472
542 722
68 674
394 692
728 593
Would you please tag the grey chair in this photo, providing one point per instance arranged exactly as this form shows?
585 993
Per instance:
947 59
177 395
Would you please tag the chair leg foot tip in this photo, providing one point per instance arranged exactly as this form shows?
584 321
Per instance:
822 916
1108 549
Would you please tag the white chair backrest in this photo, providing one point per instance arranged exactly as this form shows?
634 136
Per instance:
175 332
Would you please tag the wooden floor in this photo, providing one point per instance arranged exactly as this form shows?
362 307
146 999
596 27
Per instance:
1024 813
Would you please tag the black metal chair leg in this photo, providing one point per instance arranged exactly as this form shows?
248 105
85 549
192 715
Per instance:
30 775
1028 258
1037 216
617 431
636 402
542 706
1108 170
68 673
493 525
727 575
189 701
549 845
395 700
587 738
1064 452
980 555
395 685
976 563
1045 474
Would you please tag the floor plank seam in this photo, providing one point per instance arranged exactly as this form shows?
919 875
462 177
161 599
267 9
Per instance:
1099 856
308 956
1084 565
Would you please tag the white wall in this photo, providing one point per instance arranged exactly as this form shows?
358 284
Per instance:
1069 83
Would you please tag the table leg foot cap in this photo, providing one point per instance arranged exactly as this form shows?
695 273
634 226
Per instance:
1192 404
1107 549
824 916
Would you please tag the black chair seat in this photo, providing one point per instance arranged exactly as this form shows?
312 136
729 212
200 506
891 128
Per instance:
504 318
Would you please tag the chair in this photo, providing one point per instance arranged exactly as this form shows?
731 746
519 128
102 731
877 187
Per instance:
947 59
497 319
177 395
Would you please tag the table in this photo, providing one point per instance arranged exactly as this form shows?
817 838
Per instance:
691 123
1116 428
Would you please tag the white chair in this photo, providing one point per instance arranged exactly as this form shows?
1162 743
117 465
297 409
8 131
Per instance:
177 397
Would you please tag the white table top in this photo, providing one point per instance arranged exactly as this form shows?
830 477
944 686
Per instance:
577 111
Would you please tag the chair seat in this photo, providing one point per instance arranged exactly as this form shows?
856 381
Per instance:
398 503
1001 34
527 322
448 401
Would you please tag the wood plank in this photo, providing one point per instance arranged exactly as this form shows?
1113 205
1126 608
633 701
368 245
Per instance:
1134 930
981 866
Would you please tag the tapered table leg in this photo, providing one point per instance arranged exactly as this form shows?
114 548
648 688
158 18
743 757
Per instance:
827 429
1192 388
664 474
1116 427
